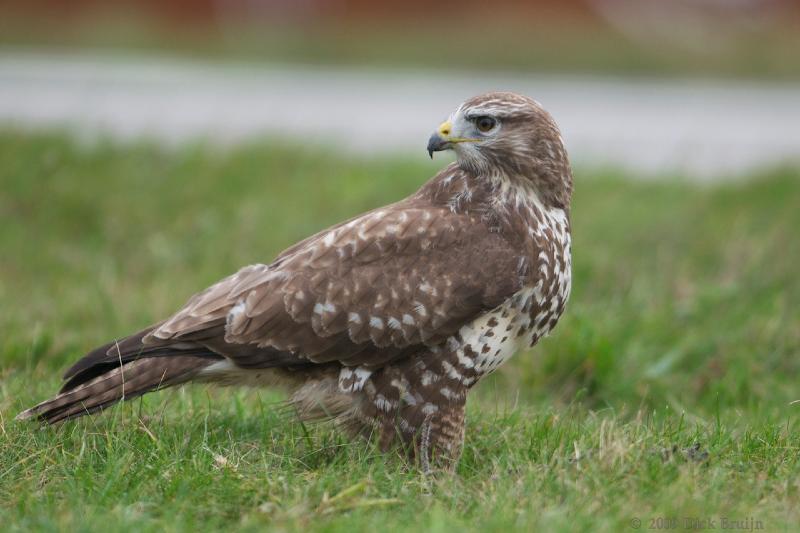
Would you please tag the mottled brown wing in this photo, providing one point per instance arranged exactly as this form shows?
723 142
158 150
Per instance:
361 293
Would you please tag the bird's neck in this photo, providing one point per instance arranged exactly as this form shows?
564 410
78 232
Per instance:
493 195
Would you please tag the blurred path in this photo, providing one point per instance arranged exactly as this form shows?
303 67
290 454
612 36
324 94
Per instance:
710 129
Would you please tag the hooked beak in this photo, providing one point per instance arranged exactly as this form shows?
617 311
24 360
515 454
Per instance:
440 140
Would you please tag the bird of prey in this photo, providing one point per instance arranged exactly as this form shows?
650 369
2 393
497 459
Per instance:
384 322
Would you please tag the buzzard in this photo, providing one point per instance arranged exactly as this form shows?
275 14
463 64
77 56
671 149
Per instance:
382 323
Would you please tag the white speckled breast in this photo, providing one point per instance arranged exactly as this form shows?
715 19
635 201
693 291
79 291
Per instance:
529 314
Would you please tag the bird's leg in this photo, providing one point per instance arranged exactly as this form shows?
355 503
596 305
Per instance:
441 439
419 408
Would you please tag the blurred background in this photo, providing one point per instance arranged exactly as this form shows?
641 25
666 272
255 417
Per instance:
708 86
703 37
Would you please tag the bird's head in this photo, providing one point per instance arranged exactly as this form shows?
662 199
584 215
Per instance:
507 134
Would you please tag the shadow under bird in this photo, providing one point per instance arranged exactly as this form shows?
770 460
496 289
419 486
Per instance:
382 323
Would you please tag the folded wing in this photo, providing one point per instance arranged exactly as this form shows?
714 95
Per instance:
364 292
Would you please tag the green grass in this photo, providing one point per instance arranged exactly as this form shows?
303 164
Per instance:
664 392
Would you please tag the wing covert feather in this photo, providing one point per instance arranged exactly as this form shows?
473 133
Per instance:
362 293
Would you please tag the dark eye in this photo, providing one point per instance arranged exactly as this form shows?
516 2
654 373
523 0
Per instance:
485 124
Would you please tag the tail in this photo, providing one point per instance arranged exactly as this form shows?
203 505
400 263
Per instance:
120 371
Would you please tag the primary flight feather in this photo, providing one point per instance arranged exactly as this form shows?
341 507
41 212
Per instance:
386 321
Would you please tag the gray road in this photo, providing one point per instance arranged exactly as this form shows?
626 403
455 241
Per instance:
708 129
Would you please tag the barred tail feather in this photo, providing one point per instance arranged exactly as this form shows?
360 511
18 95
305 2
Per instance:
124 382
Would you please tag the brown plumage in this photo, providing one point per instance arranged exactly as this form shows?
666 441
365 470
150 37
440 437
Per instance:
383 322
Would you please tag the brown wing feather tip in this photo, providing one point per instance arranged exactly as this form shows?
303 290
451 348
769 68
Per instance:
125 346
26 414
125 382
106 358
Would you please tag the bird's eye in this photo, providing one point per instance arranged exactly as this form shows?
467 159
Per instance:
485 124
